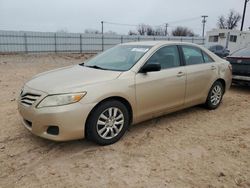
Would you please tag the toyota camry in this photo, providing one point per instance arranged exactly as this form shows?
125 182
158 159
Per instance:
124 85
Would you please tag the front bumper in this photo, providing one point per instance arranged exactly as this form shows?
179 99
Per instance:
70 120
243 78
237 78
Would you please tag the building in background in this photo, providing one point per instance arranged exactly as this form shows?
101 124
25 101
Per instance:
231 39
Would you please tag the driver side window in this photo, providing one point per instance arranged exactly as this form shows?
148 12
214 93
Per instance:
167 57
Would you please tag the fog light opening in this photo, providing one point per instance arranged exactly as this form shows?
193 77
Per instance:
53 130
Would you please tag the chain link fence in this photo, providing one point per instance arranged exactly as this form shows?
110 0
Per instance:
48 42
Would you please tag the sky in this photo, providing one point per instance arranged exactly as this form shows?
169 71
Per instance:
78 15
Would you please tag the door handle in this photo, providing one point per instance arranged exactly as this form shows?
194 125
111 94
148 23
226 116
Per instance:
180 74
213 67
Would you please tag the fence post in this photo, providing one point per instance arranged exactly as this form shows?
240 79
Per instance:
121 39
102 42
80 43
154 38
25 43
138 38
181 39
55 42
192 39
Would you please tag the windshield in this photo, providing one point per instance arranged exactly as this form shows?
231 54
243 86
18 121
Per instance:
242 53
119 58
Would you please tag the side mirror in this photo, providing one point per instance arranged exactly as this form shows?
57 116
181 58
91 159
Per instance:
150 68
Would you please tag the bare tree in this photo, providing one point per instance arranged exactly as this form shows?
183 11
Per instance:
132 32
182 31
233 19
230 22
150 31
91 31
142 29
222 22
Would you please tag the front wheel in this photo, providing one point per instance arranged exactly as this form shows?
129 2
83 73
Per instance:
215 96
108 122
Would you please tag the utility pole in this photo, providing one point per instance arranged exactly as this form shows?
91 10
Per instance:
166 30
243 16
102 37
203 23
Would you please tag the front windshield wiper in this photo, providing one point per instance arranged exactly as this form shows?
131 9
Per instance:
95 67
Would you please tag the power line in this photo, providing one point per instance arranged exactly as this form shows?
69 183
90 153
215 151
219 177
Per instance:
165 25
185 20
121 24
160 25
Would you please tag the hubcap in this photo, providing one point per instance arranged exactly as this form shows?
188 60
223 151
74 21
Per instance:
216 95
110 123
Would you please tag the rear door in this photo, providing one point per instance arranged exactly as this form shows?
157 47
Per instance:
201 73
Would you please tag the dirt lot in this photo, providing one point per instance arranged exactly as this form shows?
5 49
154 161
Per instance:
191 148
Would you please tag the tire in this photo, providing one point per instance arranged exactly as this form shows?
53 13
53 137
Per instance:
215 96
107 122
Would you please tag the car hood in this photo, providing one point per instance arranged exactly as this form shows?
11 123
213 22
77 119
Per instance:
70 79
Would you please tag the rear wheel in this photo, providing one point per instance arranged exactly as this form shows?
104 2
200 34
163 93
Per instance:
215 95
108 122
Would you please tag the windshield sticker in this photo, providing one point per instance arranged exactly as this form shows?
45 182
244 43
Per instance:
139 50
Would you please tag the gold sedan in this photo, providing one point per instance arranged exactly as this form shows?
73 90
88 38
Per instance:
124 85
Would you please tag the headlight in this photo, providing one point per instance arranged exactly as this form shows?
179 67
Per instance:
61 99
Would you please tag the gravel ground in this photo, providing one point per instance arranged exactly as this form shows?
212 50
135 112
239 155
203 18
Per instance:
191 148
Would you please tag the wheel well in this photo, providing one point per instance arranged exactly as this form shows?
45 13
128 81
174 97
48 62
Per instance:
120 99
223 83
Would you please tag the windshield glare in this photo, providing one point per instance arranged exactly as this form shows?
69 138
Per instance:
119 58
242 53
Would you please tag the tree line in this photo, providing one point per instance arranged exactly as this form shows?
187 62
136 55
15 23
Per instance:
148 30
230 21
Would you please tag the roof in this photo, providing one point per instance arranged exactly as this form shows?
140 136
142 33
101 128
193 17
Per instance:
227 30
156 43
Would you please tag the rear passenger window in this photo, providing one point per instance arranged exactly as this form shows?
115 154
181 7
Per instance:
167 57
192 55
207 59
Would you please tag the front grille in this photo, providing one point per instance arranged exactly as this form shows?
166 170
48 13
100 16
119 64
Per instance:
27 99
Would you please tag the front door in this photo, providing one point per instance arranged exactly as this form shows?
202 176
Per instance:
159 91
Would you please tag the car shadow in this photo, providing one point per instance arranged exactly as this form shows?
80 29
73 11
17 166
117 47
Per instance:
85 145
241 88
171 117
44 146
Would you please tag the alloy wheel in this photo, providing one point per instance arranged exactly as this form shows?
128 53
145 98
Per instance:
216 95
110 123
